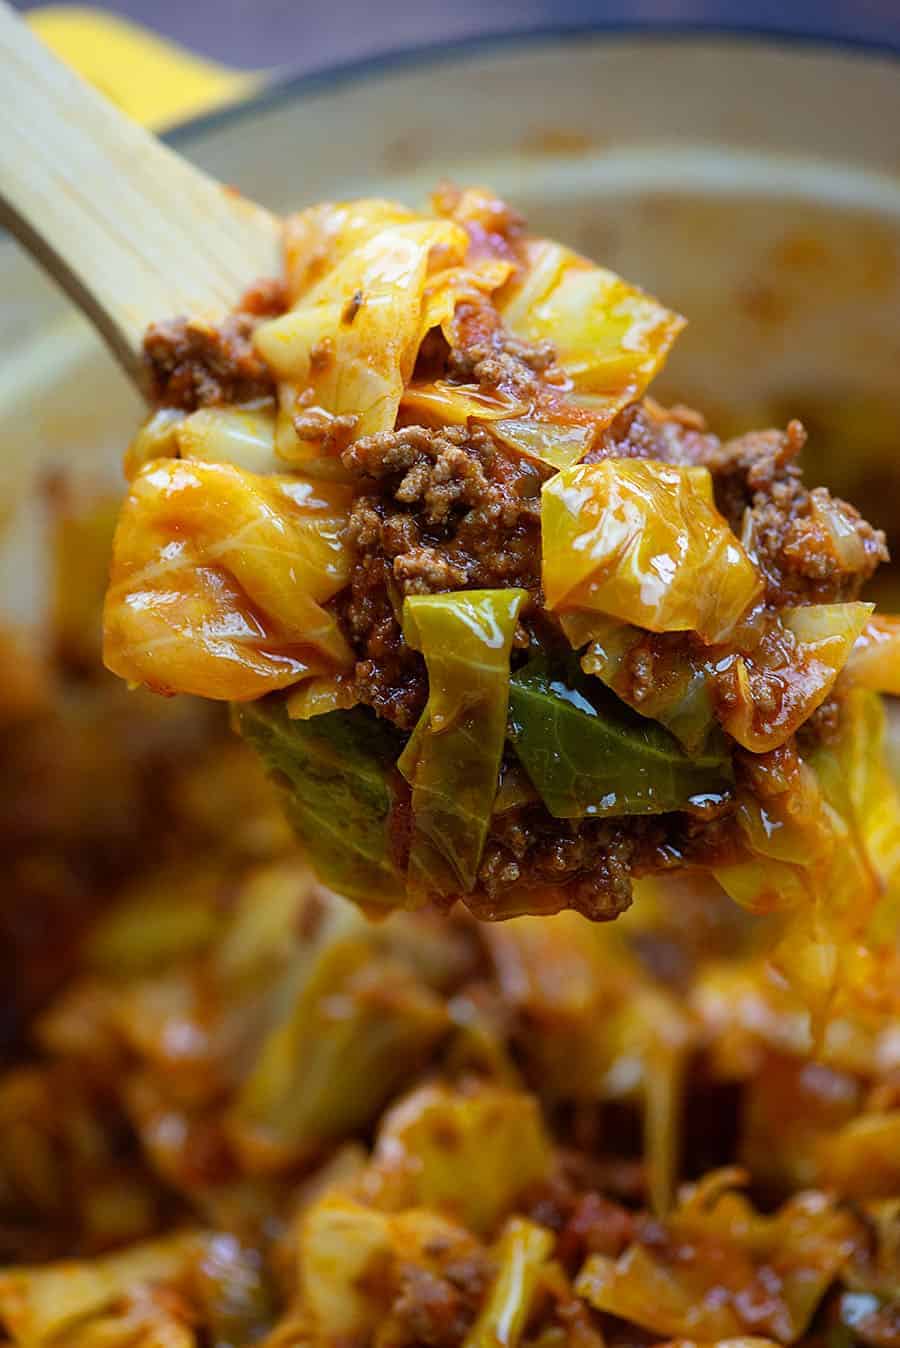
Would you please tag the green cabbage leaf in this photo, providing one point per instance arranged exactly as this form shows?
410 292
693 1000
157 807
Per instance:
588 754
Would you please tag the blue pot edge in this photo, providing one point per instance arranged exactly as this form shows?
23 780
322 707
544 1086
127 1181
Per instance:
295 88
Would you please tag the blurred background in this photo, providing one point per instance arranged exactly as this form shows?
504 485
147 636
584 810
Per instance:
298 35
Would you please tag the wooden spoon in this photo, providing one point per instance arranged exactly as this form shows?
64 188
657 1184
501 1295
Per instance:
128 228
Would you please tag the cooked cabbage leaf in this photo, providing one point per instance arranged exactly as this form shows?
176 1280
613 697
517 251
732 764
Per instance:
824 844
592 756
343 1242
445 404
453 286
321 694
336 771
522 1251
317 238
853 774
874 661
467 1152
610 338
778 686
677 694
349 344
642 541
218 579
672 1300
38 1305
243 436
452 760
359 1028
559 442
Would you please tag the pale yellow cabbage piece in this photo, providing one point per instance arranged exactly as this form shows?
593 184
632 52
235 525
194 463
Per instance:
360 1027
641 540
468 1153
242 436
672 1301
822 636
218 580
862 1159
875 659
597 1031
349 1252
454 285
316 239
349 345
521 1253
610 338
38 1305
446 404
319 695
155 439
556 443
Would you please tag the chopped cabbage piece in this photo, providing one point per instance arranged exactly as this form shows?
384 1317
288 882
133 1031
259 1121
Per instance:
452 760
444 404
321 694
40 1304
242 436
453 286
641 541
468 1153
591 756
558 443
360 1027
691 1287
855 780
778 687
610 338
874 661
521 1253
676 694
336 771
350 1254
862 1159
316 239
680 1302
156 439
218 579
349 344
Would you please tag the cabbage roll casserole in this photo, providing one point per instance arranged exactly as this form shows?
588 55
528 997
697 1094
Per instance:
235 1112
503 629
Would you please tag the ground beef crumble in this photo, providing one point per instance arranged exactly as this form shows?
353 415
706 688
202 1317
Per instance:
592 861
436 511
496 359
193 364
812 548
437 1311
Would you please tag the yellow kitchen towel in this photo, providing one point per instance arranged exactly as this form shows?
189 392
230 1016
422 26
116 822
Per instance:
155 81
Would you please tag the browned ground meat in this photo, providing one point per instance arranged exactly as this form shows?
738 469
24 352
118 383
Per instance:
194 364
499 360
437 510
792 527
646 431
592 860
437 1311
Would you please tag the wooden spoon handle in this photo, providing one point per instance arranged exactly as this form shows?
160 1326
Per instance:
131 231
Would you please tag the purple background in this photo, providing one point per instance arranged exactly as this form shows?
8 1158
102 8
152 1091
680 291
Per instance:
302 35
